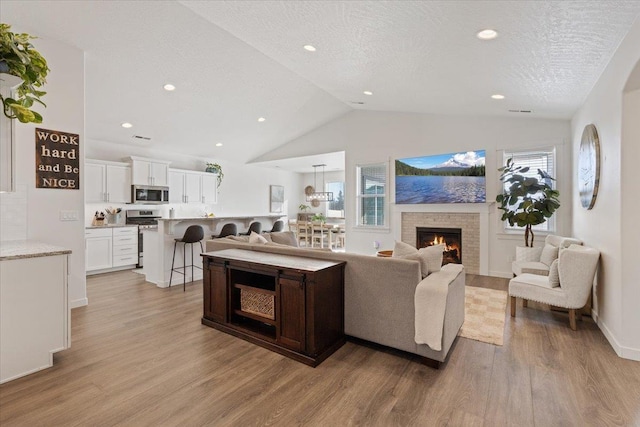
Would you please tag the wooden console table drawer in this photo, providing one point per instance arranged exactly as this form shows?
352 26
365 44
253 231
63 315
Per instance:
291 305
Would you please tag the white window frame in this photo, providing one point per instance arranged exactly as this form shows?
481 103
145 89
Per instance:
335 196
360 197
549 226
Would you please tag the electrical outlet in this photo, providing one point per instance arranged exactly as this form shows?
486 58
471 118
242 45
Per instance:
68 215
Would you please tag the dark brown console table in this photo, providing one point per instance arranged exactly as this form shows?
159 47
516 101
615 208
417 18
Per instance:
291 305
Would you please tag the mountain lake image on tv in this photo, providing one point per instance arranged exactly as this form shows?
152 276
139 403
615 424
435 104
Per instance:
445 178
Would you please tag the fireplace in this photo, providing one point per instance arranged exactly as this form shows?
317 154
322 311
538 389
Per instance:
450 237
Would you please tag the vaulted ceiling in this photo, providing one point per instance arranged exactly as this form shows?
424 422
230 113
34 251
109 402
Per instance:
233 62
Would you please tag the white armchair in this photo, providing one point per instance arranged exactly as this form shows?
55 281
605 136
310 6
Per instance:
568 284
538 260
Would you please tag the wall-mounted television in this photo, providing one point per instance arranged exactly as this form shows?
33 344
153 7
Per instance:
444 178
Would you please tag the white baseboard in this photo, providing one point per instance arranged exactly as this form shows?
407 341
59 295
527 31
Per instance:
79 303
622 351
503 274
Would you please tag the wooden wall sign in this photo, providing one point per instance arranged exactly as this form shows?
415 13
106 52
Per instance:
57 159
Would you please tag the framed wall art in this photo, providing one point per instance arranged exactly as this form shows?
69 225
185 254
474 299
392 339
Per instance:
276 196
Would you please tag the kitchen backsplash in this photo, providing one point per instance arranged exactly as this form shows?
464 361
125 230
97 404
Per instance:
13 214
181 210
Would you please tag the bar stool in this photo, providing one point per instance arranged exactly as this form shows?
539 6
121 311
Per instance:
193 234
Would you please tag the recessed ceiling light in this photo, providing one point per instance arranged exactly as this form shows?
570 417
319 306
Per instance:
309 48
497 96
368 92
487 34
169 87
126 125
261 119
219 144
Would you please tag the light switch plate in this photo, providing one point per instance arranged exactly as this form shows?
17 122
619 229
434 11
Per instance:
68 215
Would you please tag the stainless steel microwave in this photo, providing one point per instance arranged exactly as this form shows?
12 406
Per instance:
149 195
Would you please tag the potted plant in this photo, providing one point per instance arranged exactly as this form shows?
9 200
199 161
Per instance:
526 201
304 207
20 59
215 168
319 217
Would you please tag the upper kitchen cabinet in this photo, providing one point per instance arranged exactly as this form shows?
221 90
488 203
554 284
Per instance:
191 187
209 188
150 171
107 182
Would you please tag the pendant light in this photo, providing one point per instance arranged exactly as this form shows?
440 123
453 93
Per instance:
320 196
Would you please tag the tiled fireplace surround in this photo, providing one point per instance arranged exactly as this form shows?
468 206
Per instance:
469 223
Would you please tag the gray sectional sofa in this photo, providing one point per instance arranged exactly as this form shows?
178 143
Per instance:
379 296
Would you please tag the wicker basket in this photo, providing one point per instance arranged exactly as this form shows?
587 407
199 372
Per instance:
257 303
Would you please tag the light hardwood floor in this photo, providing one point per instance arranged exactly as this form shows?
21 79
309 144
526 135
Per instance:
140 356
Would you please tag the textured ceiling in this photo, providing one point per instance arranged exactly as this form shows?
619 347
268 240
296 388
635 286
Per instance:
233 62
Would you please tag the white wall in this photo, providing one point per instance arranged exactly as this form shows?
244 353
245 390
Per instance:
244 189
611 226
373 137
40 208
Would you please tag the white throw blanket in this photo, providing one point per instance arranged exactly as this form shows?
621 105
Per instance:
430 303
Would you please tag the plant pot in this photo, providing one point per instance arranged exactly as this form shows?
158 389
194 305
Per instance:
211 170
528 254
4 67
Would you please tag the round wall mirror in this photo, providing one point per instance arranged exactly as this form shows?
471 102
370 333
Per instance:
589 166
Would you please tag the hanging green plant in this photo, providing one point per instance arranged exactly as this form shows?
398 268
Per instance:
215 168
19 58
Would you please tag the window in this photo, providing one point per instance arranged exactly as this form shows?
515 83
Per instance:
335 208
372 190
543 159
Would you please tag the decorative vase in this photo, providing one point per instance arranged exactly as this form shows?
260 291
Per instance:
524 253
211 169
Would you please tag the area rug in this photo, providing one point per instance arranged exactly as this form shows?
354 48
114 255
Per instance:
484 313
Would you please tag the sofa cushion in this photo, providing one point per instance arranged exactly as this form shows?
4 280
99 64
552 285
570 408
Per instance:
238 238
433 256
549 253
430 258
256 238
554 276
402 249
284 237
531 267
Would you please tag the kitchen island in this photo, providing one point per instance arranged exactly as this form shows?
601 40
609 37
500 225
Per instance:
158 244
35 319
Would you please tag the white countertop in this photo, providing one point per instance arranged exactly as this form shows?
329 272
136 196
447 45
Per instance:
219 217
111 226
17 249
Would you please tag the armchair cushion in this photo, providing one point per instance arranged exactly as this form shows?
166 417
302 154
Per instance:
554 276
531 267
549 253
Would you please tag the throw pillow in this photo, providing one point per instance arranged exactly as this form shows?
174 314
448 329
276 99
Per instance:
238 238
431 257
256 238
554 276
402 249
549 253
284 237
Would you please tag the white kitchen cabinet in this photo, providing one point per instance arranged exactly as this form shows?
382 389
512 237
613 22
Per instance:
149 171
209 188
34 313
98 248
107 182
184 186
125 246
111 247
192 187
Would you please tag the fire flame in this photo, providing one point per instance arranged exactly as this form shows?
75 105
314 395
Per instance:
439 240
